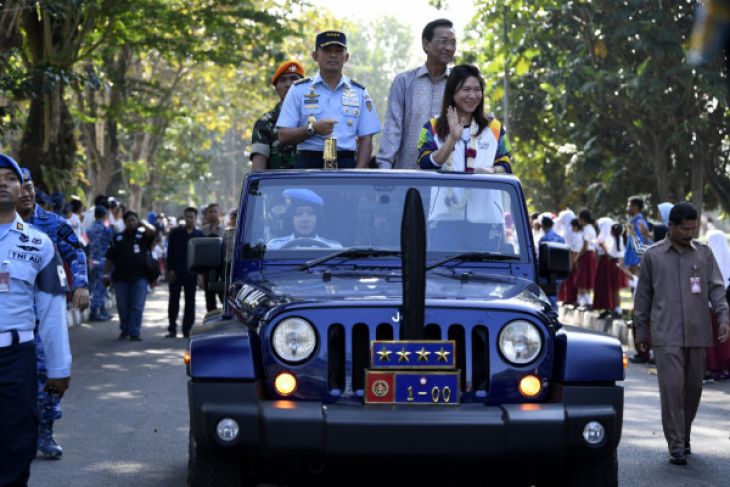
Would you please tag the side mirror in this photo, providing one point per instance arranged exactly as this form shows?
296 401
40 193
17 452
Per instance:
554 260
205 254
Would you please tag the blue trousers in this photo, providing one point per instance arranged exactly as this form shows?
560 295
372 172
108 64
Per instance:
98 291
18 413
131 296
48 404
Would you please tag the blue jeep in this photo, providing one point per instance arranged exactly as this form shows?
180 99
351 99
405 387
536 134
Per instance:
394 318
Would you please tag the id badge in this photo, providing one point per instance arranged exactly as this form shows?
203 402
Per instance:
136 248
4 282
694 285
61 275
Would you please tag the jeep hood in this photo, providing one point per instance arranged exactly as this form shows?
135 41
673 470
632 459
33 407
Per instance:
349 286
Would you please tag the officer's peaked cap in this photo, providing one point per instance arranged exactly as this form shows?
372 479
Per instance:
303 196
8 162
330 37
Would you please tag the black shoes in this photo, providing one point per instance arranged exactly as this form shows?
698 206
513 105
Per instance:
171 335
123 336
687 449
135 339
677 459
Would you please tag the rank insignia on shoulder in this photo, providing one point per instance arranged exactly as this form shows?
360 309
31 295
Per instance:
19 226
300 81
359 85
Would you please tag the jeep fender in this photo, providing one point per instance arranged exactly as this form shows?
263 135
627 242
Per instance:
222 351
587 356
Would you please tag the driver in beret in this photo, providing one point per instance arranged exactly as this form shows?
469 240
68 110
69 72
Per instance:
304 211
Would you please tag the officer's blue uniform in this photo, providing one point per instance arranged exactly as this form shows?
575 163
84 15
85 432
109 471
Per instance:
64 238
33 290
100 238
349 104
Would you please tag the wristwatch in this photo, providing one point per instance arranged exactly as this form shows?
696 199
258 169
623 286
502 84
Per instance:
310 126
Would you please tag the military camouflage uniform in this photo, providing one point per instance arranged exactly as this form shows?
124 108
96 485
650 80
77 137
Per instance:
265 141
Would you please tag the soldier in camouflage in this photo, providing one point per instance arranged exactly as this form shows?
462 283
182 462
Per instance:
266 150
72 254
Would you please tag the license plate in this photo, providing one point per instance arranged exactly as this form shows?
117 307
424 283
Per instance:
412 387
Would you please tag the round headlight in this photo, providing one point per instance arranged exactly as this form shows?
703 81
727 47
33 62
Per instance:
520 342
294 340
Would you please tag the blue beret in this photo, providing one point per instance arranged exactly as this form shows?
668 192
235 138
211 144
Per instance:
27 176
303 196
9 163
99 211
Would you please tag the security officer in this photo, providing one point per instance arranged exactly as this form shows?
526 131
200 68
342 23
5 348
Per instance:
266 150
64 239
33 287
100 238
329 105
304 212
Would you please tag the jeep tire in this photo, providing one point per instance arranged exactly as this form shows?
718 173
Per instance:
209 468
596 472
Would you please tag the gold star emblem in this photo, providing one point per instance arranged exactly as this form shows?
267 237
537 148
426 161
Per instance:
384 355
443 355
403 355
423 354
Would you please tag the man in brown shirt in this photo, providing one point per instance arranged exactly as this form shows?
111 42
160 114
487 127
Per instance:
678 278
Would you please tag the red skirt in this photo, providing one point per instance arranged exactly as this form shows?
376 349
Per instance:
620 280
568 291
718 356
604 290
585 273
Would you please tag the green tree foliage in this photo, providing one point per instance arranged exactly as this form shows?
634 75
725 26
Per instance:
602 103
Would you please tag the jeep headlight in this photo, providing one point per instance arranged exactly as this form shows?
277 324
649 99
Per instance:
294 340
520 342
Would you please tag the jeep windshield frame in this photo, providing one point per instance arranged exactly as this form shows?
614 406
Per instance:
363 210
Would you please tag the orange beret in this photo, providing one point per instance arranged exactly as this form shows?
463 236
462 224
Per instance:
287 67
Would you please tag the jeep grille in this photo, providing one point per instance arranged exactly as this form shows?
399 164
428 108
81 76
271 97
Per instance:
472 353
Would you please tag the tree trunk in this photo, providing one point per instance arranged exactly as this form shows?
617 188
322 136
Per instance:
658 154
48 145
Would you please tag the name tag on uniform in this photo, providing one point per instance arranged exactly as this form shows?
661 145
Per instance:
136 248
350 100
694 285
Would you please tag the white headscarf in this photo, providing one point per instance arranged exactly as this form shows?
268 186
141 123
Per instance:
664 209
562 223
717 241
604 229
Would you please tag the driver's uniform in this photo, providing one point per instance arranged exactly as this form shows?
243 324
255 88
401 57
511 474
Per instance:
280 242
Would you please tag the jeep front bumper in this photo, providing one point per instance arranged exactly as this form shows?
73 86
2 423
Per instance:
470 430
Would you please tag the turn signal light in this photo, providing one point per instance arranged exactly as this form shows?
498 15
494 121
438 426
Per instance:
285 384
530 386
625 360
186 357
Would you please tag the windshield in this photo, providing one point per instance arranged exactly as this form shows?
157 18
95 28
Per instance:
307 218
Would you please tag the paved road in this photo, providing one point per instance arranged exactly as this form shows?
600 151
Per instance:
125 417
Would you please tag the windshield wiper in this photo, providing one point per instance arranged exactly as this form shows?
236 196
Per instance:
472 257
352 252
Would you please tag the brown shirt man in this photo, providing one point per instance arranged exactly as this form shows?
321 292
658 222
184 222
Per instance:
678 278
667 313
